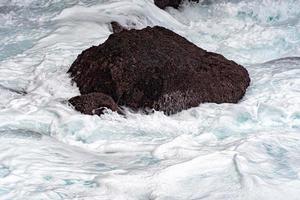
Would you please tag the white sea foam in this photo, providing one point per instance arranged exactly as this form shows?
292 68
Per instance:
248 150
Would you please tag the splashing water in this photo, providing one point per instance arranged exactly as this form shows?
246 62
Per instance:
243 151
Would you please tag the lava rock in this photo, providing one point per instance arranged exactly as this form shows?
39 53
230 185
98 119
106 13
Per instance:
93 103
158 69
172 3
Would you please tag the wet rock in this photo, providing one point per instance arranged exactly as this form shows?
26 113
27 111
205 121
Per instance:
93 103
155 68
172 3
116 27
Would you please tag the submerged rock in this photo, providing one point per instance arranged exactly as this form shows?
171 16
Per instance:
158 69
172 3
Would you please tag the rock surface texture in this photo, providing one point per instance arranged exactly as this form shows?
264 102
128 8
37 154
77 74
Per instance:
158 69
172 3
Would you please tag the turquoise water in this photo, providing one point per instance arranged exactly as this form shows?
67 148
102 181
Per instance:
248 150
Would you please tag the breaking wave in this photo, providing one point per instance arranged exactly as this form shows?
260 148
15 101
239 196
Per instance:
243 151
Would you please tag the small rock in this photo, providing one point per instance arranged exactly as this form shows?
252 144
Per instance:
93 103
172 3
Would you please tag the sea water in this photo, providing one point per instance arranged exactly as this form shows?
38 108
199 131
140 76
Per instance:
246 151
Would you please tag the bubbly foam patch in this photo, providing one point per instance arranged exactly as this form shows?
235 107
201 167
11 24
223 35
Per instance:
247 150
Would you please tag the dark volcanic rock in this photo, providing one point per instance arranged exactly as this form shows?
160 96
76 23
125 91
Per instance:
93 103
156 68
172 3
